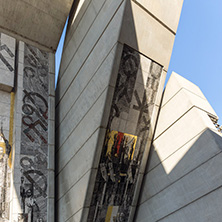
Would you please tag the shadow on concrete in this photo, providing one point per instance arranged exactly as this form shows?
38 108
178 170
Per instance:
123 97
186 185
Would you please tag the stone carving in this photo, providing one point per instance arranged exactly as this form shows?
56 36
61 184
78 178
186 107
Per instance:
3 59
125 141
34 138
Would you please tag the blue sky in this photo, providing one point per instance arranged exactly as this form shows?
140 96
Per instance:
197 52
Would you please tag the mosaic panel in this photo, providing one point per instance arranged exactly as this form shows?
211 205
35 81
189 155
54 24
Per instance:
127 133
34 137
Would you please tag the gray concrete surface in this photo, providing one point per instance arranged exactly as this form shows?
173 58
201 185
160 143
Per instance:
182 172
37 22
91 62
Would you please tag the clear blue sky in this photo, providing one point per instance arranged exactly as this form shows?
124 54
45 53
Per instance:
197 52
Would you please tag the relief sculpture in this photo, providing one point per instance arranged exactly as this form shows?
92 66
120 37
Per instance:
125 141
34 138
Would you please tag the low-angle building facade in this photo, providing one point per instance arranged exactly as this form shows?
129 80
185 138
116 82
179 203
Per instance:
110 144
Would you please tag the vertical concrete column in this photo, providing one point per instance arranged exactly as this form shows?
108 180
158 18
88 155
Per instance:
109 88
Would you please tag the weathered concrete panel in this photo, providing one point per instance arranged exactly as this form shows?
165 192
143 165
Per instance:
154 41
182 171
39 22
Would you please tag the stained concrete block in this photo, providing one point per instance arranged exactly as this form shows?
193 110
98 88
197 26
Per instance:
51 58
5 109
51 134
159 94
168 11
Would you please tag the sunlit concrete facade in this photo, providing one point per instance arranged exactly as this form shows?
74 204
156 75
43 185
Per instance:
122 150
182 180
39 23
114 63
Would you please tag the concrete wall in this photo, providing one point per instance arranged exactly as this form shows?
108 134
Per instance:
182 180
27 116
109 60
36 22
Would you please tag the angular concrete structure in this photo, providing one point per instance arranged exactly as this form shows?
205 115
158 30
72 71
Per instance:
108 101
182 181
114 63
35 22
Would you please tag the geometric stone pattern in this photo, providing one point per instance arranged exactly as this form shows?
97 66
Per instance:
126 137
